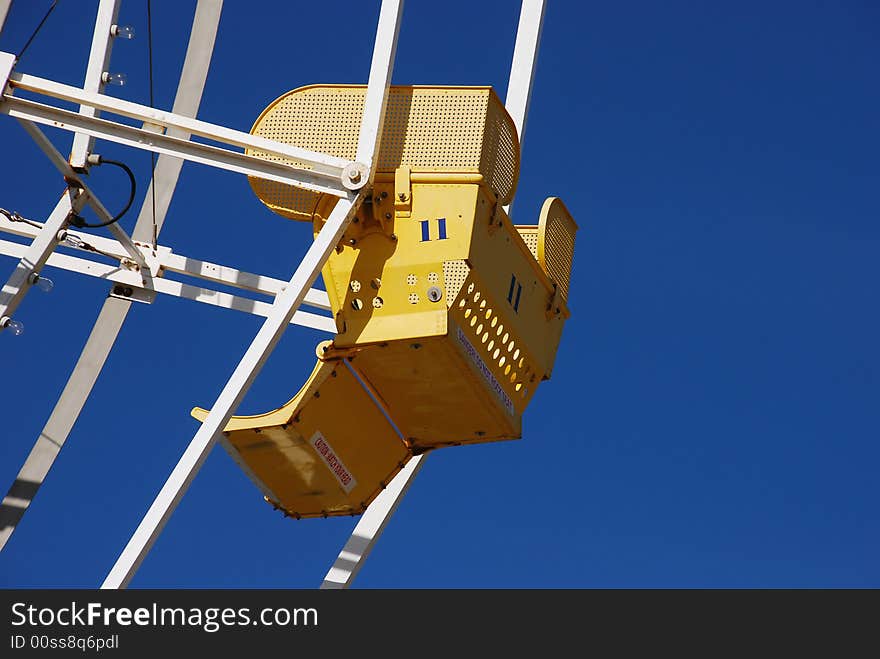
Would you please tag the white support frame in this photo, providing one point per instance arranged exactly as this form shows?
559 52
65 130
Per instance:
168 133
522 68
114 311
282 311
374 520
99 61
4 12
35 256
314 171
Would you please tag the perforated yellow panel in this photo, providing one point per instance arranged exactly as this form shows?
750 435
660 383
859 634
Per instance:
530 237
455 273
556 231
451 130
484 322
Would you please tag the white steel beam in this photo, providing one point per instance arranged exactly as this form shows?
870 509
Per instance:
117 275
522 68
320 163
72 177
99 61
285 304
4 11
147 140
36 255
166 261
370 526
381 68
239 383
97 348
193 76
377 515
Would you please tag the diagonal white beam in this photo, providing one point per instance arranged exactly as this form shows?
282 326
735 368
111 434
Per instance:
522 68
320 162
147 140
369 527
193 76
73 178
4 11
270 333
231 396
37 254
97 348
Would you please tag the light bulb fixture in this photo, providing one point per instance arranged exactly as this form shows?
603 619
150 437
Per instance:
118 79
122 31
70 240
14 326
43 283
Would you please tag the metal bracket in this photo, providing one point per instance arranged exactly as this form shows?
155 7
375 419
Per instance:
556 304
403 191
132 294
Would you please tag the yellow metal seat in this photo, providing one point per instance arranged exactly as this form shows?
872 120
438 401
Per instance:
446 313
327 451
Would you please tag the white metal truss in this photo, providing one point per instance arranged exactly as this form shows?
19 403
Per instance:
143 265
115 309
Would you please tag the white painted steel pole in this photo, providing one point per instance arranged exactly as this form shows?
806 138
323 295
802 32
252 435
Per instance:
4 12
282 311
522 69
370 526
99 60
97 348
368 529
36 255
231 396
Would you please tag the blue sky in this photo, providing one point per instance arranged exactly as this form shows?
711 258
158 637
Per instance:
714 413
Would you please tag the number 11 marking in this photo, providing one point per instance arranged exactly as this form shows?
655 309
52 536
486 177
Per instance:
426 229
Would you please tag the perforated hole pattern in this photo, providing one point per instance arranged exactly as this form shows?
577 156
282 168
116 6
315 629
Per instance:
530 237
559 250
499 346
455 273
447 129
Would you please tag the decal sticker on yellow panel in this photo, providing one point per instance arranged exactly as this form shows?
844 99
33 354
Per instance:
334 464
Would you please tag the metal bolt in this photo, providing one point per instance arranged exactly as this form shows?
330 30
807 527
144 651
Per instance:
402 196
387 216
354 176
434 294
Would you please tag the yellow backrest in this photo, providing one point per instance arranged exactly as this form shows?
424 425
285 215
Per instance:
551 242
431 129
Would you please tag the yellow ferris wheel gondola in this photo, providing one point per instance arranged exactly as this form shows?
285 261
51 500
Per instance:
448 316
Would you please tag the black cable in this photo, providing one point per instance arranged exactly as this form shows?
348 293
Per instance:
79 222
21 52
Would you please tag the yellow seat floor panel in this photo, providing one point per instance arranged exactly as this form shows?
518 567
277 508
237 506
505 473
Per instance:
329 451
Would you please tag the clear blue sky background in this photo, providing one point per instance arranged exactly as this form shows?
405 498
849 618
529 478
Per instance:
714 414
